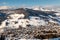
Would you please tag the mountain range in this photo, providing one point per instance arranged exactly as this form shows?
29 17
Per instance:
46 16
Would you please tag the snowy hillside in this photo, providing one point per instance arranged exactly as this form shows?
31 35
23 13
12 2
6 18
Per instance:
27 17
29 23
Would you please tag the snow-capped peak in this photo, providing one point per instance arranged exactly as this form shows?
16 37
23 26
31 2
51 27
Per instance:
42 9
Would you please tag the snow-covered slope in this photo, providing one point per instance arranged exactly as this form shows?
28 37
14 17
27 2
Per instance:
29 17
43 9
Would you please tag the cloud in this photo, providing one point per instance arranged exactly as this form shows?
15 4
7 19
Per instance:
7 7
4 7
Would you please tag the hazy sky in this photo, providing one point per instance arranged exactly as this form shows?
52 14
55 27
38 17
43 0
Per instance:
29 2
